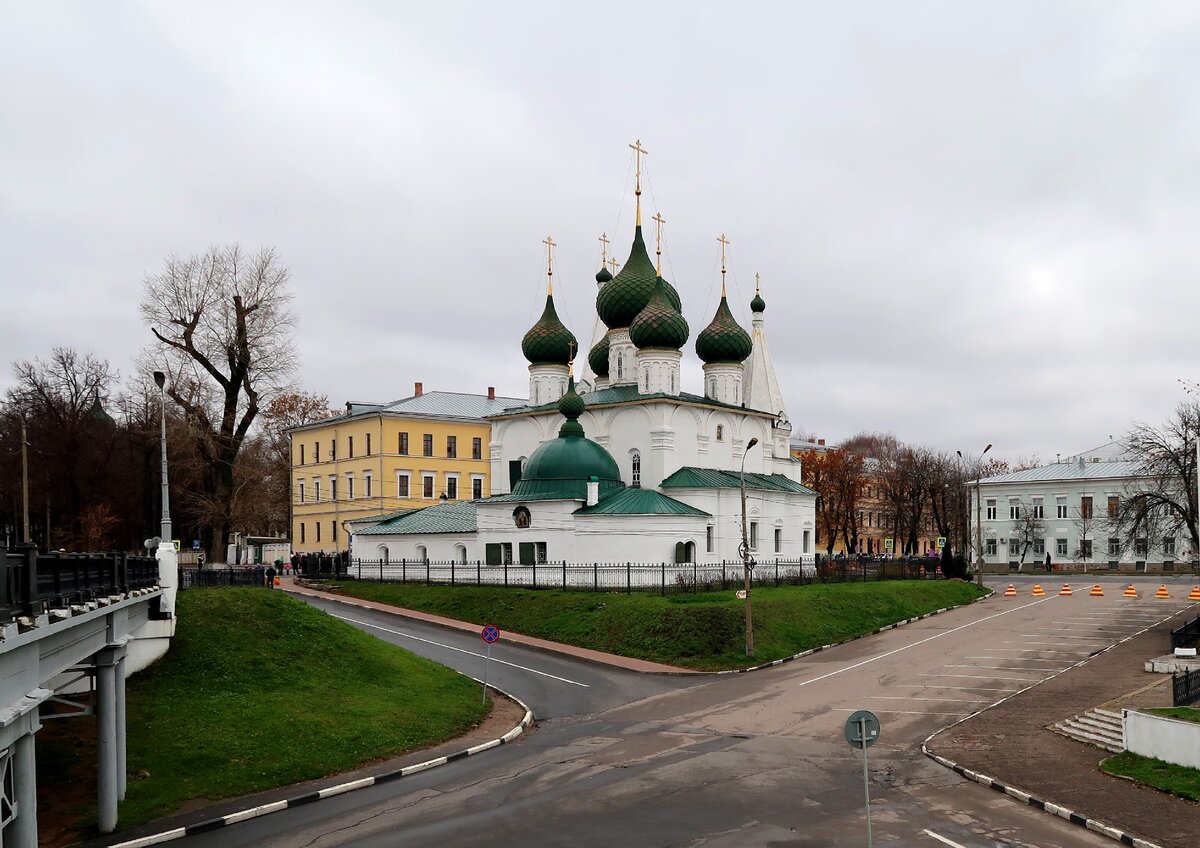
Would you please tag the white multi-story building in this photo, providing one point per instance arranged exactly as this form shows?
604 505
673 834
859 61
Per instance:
1065 514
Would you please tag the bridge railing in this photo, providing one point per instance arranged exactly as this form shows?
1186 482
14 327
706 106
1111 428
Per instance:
31 583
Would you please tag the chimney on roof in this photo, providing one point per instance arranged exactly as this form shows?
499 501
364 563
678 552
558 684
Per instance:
491 392
418 389
1081 463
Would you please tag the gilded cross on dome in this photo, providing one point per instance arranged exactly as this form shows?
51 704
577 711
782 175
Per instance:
724 243
550 245
639 152
659 220
603 249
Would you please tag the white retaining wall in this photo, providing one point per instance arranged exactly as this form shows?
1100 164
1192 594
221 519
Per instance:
1167 739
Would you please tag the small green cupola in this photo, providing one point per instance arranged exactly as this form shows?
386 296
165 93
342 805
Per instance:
549 342
602 276
758 304
723 340
659 325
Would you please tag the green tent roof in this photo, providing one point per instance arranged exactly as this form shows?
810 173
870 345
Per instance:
639 502
690 477
449 517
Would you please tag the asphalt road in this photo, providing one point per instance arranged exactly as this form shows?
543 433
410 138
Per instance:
739 760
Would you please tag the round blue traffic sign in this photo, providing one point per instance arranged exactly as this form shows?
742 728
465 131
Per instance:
490 634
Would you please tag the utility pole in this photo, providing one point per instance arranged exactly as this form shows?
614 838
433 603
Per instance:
24 484
978 523
746 566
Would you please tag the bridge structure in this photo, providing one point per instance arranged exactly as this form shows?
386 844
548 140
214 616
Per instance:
72 621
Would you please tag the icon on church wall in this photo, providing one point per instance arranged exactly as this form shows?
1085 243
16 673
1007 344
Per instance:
521 517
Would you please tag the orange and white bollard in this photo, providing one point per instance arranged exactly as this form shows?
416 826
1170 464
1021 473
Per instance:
1038 591
1096 592
1130 592
1065 591
1011 591
1162 592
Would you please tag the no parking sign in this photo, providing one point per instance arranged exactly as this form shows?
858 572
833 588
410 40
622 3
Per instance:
489 634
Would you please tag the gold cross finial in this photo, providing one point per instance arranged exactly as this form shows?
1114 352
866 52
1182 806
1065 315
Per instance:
757 288
639 152
659 220
612 263
550 245
603 249
724 243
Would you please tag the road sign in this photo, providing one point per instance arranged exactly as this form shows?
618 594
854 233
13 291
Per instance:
195 544
175 542
889 544
860 723
490 633
941 542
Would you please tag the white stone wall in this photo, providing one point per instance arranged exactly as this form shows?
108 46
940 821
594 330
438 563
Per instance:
723 382
658 371
1167 739
547 383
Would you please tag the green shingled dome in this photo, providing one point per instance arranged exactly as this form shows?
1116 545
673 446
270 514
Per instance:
758 304
571 460
548 342
598 357
620 301
723 340
571 406
603 276
659 325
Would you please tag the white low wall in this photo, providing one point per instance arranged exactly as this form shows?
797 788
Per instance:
1167 739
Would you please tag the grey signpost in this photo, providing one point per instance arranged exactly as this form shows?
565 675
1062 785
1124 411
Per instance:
862 731
490 634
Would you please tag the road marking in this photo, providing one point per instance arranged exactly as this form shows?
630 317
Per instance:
460 650
939 700
1076 638
1008 642
1037 650
923 641
973 676
1017 659
943 839
975 688
899 712
1010 668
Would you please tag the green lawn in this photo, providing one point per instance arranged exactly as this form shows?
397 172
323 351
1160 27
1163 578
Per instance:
1182 713
1178 780
701 631
260 690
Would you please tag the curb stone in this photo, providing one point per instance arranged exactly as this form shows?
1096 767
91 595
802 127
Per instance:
331 791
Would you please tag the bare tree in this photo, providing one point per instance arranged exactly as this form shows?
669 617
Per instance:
1086 525
224 336
1027 528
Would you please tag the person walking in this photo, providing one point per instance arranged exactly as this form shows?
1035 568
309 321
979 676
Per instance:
271 572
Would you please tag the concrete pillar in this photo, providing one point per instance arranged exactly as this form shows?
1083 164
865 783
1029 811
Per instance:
107 740
120 717
22 832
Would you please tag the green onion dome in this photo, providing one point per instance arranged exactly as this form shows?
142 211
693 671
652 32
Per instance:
598 357
603 276
659 325
571 406
549 342
723 340
620 301
758 304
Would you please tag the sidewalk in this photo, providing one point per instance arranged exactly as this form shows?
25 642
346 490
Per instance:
1012 744
599 657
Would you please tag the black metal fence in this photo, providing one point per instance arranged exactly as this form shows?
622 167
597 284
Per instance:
1188 633
662 578
1185 687
31 582
195 578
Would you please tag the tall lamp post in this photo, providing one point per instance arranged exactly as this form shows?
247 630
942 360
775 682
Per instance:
978 523
746 552
168 560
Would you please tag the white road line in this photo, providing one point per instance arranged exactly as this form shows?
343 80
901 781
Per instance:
922 641
949 842
1007 642
1010 668
1017 659
899 712
1076 638
460 650
939 700
973 688
975 676
1036 650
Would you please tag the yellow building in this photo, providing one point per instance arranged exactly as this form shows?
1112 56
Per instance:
377 459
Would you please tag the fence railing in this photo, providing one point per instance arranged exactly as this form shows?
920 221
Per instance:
31 582
195 578
1185 687
1189 632
663 578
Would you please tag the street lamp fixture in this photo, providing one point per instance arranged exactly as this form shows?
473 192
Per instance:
978 523
160 380
746 566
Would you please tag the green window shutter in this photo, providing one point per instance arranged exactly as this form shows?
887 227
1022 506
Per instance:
514 472
527 553
680 552
492 553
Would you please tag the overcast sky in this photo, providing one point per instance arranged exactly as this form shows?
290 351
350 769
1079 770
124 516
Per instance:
974 222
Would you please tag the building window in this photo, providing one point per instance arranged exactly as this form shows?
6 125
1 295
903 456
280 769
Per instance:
989 547
1038 509
367 484
1085 506
720 432
332 488
476 448
636 476
779 539
333 530
1169 546
427 444
1114 546
991 509
350 447
754 535
1014 509
1060 547
1039 547
451 487
540 552
349 487
710 538
368 444
1114 505
620 366
1085 548
806 546
332 450
317 525
402 484
301 491
477 487
316 491
1060 506
452 446
506 553
404 444
1140 548
316 451
302 532
673 386
302 454
427 485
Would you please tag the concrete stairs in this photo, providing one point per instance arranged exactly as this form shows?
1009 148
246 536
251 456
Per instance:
1102 728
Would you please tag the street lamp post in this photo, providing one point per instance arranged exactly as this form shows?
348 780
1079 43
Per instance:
746 552
160 380
168 560
978 523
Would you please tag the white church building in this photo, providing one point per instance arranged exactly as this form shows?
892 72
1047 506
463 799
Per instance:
627 467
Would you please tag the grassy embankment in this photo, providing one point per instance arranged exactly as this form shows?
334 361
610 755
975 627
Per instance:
702 631
1178 780
260 690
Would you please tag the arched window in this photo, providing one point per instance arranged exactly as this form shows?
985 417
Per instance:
536 395
460 553
620 366
672 382
382 551
720 432
645 379
422 554
636 463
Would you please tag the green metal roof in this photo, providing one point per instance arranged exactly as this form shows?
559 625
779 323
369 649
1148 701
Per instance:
640 502
370 520
630 394
552 490
690 477
449 517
